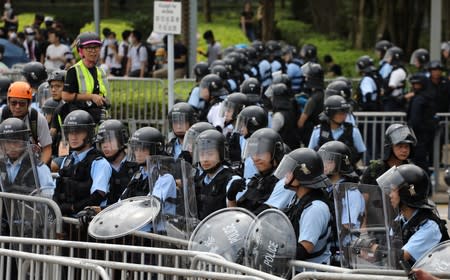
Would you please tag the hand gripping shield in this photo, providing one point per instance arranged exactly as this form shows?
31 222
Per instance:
223 232
271 243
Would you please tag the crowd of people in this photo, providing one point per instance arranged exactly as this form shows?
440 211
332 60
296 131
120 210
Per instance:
260 128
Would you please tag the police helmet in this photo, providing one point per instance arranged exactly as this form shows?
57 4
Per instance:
422 56
49 106
210 140
447 176
418 78
273 48
79 120
252 88
337 158
435 65
259 47
221 71
88 38
148 138
281 78
252 118
394 56
228 50
201 69
234 103
34 73
112 129
338 88
58 75
43 91
314 76
308 52
412 183
252 56
217 62
181 113
232 61
262 141
335 104
5 82
192 134
382 46
214 84
306 166
365 64
14 129
398 134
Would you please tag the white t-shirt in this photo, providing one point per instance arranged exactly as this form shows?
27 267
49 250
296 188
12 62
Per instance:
137 58
110 59
55 51
397 79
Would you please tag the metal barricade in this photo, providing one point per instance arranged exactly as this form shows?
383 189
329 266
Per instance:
341 276
39 266
142 100
31 216
372 126
14 75
182 88
441 149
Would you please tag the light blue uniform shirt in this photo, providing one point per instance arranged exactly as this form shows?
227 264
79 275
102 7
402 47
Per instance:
177 148
336 133
280 197
44 175
265 73
313 224
353 209
275 66
426 237
195 100
385 69
249 166
294 73
368 86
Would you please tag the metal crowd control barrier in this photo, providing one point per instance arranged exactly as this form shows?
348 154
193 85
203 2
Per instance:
340 276
142 100
441 148
14 75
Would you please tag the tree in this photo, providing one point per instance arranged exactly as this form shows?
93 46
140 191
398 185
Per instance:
268 20
207 10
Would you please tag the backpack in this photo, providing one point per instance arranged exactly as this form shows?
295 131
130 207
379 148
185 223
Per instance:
150 56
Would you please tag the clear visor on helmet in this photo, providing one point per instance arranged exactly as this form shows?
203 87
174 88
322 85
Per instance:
269 92
189 140
403 134
413 58
228 110
391 180
258 148
241 123
76 129
43 94
206 150
180 122
331 162
12 148
286 168
108 143
388 56
138 151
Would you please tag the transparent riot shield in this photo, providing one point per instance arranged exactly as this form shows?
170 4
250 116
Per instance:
18 174
124 217
436 259
363 219
223 232
270 243
172 182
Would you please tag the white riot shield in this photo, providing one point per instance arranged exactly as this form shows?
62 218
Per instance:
172 182
363 218
124 217
223 232
436 259
271 243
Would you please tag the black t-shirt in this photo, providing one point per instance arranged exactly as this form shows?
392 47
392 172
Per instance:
248 18
178 51
71 82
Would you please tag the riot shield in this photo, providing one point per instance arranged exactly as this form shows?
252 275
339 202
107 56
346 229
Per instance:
223 232
270 243
436 259
172 182
124 217
363 219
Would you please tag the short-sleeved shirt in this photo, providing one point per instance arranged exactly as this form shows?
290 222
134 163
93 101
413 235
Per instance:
397 79
179 50
71 81
195 100
44 175
368 86
137 54
249 166
214 51
55 51
336 133
280 197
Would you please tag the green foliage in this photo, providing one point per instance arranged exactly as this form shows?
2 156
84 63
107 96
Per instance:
116 25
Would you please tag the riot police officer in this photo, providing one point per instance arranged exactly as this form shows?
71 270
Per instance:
35 74
264 67
417 228
334 127
293 69
340 87
84 175
112 137
420 59
201 69
265 147
313 86
252 88
212 185
212 91
380 49
395 82
189 139
370 87
310 215
181 117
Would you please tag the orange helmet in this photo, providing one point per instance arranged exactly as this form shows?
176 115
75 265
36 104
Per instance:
20 90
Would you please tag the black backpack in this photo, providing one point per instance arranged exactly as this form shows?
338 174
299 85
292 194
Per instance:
150 55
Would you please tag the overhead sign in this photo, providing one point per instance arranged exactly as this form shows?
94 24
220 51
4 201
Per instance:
167 17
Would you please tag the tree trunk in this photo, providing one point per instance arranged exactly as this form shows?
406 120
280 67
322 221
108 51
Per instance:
359 31
207 10
106 8
268 20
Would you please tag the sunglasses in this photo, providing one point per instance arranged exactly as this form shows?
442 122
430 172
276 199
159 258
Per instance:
14 103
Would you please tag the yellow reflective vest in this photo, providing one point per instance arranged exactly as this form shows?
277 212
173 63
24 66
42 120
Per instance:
86 81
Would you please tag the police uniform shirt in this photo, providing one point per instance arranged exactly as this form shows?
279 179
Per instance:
177 148
118 167
214 117
44 175
164 188
294 73
426 237
209 178
100 171
249 166
385 69
275 66
368 86
313 224
336 133
265 75
350 119
353 209
195 100
280 197
232 85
